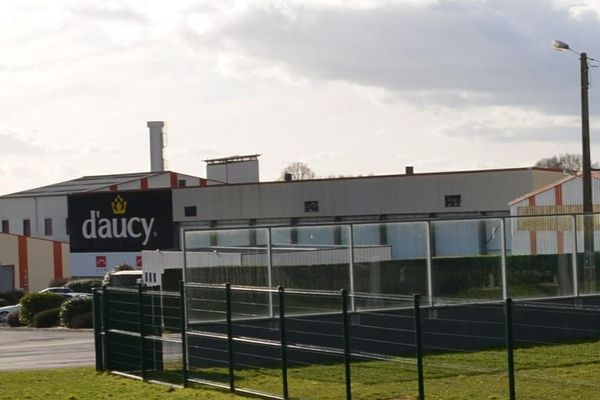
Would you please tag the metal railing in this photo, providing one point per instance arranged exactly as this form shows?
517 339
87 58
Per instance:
493 257
289 343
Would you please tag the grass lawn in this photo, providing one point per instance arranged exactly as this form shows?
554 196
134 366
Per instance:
570 371
85 383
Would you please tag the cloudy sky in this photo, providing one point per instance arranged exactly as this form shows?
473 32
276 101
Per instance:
348 87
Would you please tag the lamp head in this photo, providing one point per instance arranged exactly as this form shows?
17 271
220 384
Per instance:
560 46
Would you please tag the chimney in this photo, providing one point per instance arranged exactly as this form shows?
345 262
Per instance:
287 177
409 170
157 162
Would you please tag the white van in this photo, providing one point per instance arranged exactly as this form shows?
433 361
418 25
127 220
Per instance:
126 278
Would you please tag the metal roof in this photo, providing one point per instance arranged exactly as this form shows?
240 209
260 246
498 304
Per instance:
83 184
232 159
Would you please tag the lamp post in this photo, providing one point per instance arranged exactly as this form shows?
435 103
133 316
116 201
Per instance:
589 271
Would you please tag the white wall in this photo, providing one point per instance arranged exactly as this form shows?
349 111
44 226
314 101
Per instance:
36 209
84 264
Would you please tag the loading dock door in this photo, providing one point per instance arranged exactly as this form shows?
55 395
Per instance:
7 278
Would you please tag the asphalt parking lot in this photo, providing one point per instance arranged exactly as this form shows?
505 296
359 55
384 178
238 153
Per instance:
27 348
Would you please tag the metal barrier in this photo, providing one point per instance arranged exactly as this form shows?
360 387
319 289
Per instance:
286 343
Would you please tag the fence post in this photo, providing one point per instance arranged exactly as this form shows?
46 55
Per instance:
183 315
419 345
105 328
97 318
510 349
284 366
229 337
346 327
142 344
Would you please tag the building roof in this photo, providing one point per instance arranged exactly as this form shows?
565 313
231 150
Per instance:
232 159
595 175
83 184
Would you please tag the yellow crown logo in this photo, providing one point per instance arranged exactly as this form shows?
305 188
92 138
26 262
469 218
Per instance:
119 206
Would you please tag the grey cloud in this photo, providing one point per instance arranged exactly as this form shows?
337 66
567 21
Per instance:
497 50
554 134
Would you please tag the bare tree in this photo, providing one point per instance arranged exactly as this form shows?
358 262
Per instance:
568 162
299 172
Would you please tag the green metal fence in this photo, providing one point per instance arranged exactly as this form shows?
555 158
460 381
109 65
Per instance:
283 343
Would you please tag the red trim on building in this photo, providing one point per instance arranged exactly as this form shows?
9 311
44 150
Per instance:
144 183
58 260
203 182
174 180
23 263
532 234
560 235
113 188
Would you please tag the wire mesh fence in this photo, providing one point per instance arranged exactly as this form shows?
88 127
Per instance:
313 344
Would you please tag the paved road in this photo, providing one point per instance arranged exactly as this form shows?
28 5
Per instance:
27 348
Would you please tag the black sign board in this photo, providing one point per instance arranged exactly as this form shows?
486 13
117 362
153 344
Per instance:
120 221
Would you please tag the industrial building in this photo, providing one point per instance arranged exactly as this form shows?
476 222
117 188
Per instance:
110 219
558 234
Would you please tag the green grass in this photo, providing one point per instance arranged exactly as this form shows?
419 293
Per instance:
569 371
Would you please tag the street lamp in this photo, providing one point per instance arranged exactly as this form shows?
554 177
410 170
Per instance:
589 272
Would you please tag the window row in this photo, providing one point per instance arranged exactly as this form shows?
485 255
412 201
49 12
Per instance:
48 229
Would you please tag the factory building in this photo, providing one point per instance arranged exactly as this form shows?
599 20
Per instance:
556 234
111 219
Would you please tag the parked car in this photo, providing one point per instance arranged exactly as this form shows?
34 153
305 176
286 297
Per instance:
4 311
57 290
65 292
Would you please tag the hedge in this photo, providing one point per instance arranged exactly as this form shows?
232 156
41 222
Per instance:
73 308
12 319
34 303
12 297
83 321
46 318
84 285
451 275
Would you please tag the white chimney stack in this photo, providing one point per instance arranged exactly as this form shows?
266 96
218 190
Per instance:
157 162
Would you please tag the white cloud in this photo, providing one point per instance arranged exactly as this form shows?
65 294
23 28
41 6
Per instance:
350 87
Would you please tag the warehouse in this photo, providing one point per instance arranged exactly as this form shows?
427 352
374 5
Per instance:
110 219
558 234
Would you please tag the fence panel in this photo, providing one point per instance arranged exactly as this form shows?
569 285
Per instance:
315 344
207 341
382 342
163 360
240 339
557 354
255 340
464 350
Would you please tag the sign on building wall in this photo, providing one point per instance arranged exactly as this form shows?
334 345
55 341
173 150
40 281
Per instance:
120 221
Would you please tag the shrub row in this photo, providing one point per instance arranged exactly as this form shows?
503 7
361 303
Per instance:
34 303
84 285
74 313
42 310
12 297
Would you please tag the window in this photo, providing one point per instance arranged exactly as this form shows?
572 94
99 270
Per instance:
48 226
5 227
181 183
311 206
67 226
190 211
26 227
452 200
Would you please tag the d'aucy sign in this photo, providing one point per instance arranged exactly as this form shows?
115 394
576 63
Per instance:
120 221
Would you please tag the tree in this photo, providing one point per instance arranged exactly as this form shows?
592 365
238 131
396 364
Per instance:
299 171
568 162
